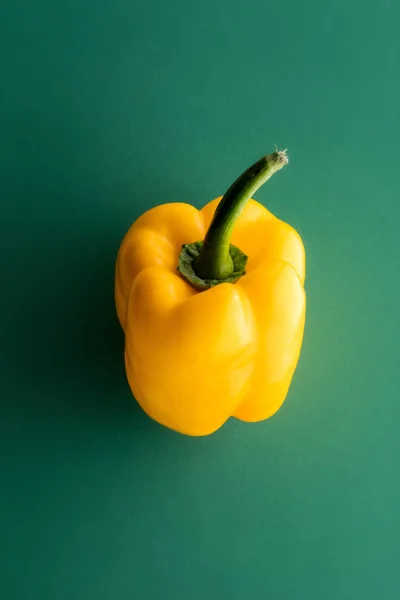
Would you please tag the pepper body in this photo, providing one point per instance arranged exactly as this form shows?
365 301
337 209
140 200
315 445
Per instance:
193 359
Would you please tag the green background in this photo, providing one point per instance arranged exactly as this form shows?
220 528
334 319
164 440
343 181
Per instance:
109 108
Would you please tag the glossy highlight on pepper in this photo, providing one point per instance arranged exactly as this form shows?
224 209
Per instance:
208 335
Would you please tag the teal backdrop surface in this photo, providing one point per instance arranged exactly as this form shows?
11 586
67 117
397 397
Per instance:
108 108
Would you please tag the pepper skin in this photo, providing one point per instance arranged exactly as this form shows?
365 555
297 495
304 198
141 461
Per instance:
195 358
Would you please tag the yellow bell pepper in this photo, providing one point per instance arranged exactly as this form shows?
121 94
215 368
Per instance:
213 328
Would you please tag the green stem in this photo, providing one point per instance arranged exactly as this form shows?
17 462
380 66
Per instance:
214 260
